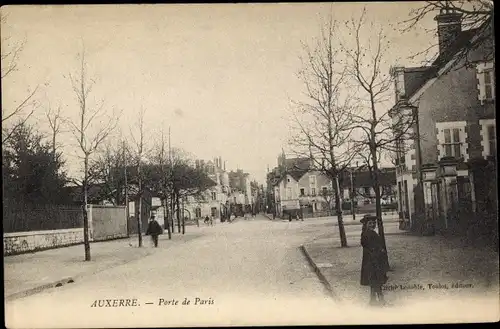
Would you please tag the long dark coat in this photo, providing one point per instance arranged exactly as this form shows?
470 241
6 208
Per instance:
154 228
373 270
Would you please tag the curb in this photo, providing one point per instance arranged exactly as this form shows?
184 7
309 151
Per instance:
72 279
35 290
61 282
320 275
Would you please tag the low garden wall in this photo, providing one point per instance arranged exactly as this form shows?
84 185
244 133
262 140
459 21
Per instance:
21 242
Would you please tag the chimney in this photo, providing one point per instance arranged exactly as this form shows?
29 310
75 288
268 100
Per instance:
449 25
220 162
224 165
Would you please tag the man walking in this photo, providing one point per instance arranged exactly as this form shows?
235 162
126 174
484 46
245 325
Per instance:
154 229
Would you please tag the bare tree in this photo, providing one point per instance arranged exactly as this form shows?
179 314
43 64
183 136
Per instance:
475 14
54 119
106 168
377 129
139 154
10 52
88 135
162 185
323 122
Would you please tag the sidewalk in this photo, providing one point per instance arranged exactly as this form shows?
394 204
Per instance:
415 261
31 273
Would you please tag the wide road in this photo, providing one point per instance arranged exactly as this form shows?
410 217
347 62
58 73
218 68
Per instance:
243 273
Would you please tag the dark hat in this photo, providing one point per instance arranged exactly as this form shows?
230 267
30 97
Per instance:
368 218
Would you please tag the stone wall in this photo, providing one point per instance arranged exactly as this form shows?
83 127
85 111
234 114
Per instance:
108 222
105 223
21 242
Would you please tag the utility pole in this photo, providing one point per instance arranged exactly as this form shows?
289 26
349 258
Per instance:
127 214
164 188
353 211
171 179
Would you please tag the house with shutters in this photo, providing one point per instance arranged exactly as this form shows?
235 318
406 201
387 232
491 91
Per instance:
297 186
447 171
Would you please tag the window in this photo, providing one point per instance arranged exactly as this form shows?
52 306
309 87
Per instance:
325 190
312 180
367 190
197 212
288 193
214 196
302 192
452 145
492 141
488 84
313 191
486 79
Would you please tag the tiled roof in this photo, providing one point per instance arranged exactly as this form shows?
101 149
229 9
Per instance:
297 163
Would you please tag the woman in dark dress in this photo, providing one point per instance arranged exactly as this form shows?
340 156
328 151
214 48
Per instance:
373 270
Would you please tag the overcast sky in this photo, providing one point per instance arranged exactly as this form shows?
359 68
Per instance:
220 76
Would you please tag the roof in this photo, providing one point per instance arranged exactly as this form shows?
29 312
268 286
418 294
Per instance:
298 163
361 178
417 77
297 174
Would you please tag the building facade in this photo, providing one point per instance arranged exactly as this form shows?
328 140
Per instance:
297 186
440 170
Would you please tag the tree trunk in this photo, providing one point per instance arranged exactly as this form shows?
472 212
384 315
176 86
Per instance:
86 241
352 195
376 185
127 210
378 206
166 222
338 205
139 216
183 221
177 202
172 212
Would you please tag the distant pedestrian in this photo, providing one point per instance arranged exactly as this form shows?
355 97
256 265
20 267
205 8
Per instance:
154 229
373 269
207 220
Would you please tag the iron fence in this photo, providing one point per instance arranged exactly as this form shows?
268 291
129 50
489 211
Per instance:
19 217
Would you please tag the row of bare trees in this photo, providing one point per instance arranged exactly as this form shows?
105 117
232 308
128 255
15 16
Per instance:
343 116
345 110
110 162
